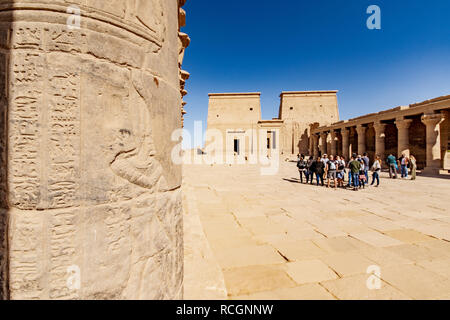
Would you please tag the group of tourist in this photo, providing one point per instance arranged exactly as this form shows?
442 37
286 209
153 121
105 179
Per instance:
334 170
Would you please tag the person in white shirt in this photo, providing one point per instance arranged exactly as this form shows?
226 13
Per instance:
331 172
340 162
376 169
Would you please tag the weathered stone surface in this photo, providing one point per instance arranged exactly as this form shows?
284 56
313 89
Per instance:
92 192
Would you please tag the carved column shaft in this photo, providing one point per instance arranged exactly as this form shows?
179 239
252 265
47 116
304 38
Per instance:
315 145
90 95
361 130
333 148
323 142
380 139
403 136
433 139
345 143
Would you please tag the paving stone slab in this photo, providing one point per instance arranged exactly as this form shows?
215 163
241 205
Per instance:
310 271
376 239
355 288
252 279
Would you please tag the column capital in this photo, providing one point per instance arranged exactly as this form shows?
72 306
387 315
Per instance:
432 119
361 129
403 123
345 131
379 127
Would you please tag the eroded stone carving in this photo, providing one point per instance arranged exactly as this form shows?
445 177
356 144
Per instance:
86 119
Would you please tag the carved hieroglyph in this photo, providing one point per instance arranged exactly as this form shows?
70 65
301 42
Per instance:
91 204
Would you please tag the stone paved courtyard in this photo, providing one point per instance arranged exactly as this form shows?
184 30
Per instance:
273 238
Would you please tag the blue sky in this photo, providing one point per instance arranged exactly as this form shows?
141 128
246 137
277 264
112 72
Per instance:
272 46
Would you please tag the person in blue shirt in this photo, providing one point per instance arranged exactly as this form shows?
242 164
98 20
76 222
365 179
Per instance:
392 164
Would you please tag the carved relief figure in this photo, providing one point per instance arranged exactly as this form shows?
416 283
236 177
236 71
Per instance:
132 151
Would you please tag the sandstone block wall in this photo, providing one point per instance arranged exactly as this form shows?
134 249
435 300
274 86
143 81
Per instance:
234 111
88 190
299 110
235 116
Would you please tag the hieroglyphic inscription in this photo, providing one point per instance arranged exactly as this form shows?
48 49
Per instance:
63 135
27 38
62 253
47 65
25 253
117 227
60 38
26 103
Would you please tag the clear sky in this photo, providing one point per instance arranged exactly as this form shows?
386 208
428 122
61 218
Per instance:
271 46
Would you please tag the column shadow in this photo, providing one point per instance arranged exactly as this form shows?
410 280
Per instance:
6 19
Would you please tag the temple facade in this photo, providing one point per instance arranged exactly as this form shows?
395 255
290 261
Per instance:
308 123
237 117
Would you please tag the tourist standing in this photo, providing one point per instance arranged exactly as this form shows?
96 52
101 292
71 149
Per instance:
366 160
392 163
308 173
362 174
354 167
313 170
320 170
350 173
325 164
404 162
344 171
331 171
340 162
301 165
413 162
376 169
324 159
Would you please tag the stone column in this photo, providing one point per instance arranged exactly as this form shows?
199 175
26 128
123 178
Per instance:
89 187
403 136
315 145
433 122
345 143
380 139
333 148
361 130
323 146
328 143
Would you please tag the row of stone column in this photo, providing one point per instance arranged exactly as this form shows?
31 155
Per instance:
433 141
